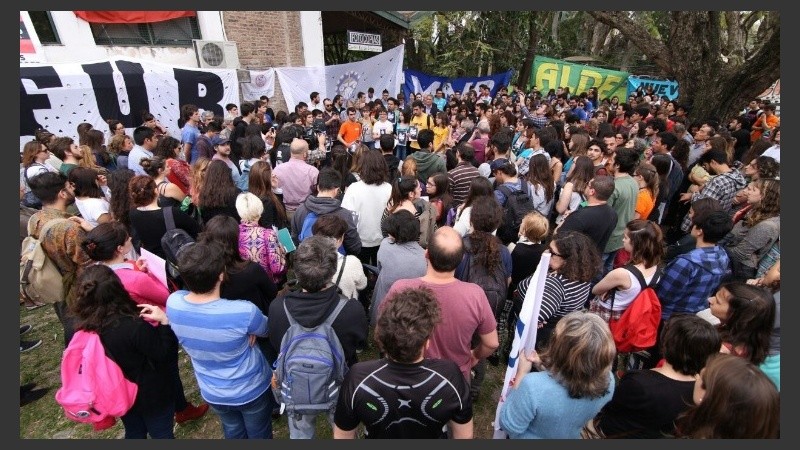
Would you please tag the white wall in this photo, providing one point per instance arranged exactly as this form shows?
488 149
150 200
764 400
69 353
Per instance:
77 44
311 31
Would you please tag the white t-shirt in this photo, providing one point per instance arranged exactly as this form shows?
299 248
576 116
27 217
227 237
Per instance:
387 128
773 152
368 202
92 208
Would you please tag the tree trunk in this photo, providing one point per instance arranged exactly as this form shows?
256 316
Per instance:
691 54
530 52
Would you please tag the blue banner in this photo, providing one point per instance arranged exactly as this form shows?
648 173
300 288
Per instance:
660 87
416 81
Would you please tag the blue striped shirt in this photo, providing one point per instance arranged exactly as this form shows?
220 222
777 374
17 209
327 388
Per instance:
228 369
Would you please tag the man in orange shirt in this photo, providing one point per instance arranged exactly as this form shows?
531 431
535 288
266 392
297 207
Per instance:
765 123
419 121
350 131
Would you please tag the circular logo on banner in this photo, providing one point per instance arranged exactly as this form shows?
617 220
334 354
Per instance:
261 80
347 83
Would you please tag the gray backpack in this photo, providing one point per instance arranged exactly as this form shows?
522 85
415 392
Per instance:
310 367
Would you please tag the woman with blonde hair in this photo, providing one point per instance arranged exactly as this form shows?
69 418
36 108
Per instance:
119 147
257 243
571 382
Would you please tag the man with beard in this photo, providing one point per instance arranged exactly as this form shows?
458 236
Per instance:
61 239
66 149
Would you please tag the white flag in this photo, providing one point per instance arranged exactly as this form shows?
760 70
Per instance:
524 333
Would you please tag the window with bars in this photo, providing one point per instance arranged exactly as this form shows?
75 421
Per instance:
175 32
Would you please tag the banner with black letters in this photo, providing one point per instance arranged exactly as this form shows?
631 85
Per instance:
58 97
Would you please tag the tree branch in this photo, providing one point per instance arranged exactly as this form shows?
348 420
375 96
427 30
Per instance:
655 50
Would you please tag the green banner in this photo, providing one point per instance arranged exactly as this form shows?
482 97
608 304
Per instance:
549 73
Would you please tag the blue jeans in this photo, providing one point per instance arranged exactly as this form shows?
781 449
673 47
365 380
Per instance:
304 426
158 424
249 421
400 152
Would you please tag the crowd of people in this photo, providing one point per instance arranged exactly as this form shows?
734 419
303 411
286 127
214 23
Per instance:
408 211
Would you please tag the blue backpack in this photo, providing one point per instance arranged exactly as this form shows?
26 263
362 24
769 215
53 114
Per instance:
308 224
244 179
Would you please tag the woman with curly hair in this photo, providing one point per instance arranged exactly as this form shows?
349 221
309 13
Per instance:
120 202
753 236
733 400
574 261
106 308
556 392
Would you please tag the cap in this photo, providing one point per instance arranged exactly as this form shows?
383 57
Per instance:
218 140
497 164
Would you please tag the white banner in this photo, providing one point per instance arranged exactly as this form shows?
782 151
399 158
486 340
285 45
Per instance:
380 72
60 96
524 333
262 82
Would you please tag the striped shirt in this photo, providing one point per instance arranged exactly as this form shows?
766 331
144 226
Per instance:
459 179
216 334
561 296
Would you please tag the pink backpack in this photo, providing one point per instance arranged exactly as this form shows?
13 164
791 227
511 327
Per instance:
92 384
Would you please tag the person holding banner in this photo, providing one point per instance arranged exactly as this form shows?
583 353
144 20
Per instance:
574 262
554 394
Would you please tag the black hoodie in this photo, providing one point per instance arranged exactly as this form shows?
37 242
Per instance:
322 206
310 309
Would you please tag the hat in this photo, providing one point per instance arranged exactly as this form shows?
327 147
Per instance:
219 140
497 164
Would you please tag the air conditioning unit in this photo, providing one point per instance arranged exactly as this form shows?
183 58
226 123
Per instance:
216 54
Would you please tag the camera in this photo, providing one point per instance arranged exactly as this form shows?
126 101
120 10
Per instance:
318 125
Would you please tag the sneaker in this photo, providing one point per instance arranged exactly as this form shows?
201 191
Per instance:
191 412
24 346
24 329
32 395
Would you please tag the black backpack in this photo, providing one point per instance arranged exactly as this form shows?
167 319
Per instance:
493 284
518 204
173 241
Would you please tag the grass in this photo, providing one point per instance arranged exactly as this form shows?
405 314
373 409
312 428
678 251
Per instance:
44 418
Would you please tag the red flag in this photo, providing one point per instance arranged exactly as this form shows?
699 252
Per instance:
132 16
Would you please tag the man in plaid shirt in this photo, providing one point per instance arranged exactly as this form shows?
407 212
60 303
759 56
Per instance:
690 279
722 187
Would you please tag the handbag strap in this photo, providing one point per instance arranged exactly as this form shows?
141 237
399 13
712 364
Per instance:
169 220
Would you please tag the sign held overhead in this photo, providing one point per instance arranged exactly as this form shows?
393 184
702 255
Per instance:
366 42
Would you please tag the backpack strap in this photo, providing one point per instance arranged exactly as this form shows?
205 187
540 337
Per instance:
640 276
169 220
341 271
505 190
335 313
328 320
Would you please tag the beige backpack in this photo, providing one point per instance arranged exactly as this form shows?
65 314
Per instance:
40 281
